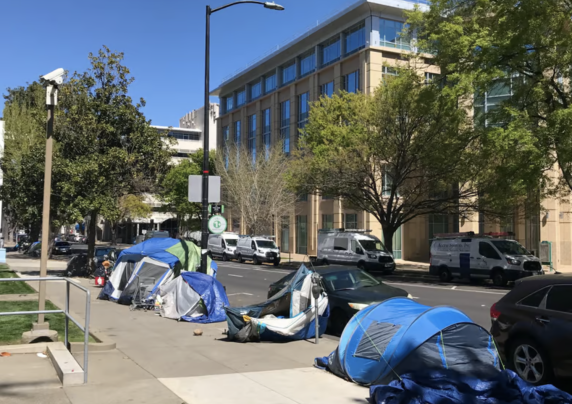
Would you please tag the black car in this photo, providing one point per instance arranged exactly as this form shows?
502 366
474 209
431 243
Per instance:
349 290
61 248
532 327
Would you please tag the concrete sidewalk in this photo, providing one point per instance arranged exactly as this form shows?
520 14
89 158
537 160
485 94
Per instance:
160 361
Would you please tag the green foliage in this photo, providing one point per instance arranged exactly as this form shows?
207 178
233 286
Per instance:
403 152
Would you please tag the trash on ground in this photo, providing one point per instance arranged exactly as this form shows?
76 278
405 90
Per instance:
5 354
288 315
41 355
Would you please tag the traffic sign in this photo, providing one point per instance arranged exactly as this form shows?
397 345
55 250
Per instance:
217 224
196 188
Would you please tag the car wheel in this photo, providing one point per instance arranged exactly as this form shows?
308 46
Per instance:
530 362
224 257
325 262
499 278
276 262
445 275
255 260
240 259
337 322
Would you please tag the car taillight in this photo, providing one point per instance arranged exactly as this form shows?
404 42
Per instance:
494 312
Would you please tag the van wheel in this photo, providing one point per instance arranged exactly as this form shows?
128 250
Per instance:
325 262
445 275
240 259
499 278
276 262
224 257
361 265
255 260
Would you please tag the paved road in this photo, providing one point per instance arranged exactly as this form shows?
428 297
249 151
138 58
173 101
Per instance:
247 284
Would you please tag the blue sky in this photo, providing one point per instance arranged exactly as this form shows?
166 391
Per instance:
163 42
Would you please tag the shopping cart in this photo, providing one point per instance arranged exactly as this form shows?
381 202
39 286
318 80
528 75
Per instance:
142 291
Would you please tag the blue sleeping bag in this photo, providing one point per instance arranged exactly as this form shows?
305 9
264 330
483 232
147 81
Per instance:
448 387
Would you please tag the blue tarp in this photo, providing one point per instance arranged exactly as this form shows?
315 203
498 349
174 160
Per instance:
154 248
213 294
448 387
398 334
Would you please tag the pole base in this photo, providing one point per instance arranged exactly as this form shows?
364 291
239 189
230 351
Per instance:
40 326
29 337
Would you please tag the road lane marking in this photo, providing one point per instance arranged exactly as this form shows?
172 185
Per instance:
236 276
243 293
442 288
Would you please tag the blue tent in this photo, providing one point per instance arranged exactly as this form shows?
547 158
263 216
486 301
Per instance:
398 336
288 315
148 265
212 294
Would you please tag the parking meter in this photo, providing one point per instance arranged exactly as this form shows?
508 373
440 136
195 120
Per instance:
316 292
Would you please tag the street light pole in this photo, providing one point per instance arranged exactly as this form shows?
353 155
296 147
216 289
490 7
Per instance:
205 184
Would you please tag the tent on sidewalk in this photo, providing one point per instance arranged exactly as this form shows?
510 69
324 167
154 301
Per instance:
194 297
288 315
398 336
148 265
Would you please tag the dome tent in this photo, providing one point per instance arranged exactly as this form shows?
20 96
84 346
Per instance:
398 336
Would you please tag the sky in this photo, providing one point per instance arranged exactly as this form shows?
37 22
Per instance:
163 42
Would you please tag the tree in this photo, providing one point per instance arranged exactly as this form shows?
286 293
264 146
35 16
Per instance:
406 151
522 52
175 190
106 138
256 188
126 207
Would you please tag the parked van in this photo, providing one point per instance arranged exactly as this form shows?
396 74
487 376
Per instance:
223 245
257 249
354 247
473 256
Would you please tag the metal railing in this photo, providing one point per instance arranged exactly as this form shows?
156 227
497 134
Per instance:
84 328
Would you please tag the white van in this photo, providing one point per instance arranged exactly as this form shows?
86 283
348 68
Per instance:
258 250
223 245
471 256
354 247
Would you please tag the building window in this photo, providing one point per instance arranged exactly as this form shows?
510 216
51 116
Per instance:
303 109
185 136
387 183
488 101
355 38
240 98
301 235
255 90
266 131
331 51
229 103
270 83
302 198
237 133
181 154
429 77
438 224
391 71
327 222
285 234
390 34
350 221
285 125
351 82
327 89
288 73
252 136
225 140
327 197
307 64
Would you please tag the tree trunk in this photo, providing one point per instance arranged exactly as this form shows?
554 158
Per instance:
113 233
51 241
388 232
91 236
35 231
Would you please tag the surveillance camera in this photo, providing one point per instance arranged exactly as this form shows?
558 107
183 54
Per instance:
55 77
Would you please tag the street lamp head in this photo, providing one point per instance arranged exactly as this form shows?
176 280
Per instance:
273 6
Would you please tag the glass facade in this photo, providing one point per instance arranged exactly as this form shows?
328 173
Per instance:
270 83
327 222
225 141
303 109
331 51
301 234
327 89
237 133
307 64
252 136
184 136
255 90
351 82
229 105
350 221
390 34
285 125
285 234
266 131
487 102
355 38
240 98
288 73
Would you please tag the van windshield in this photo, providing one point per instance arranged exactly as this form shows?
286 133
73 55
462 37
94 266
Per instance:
266 244
509 247
231 242
372 245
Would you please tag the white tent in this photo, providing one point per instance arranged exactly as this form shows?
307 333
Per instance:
178 299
